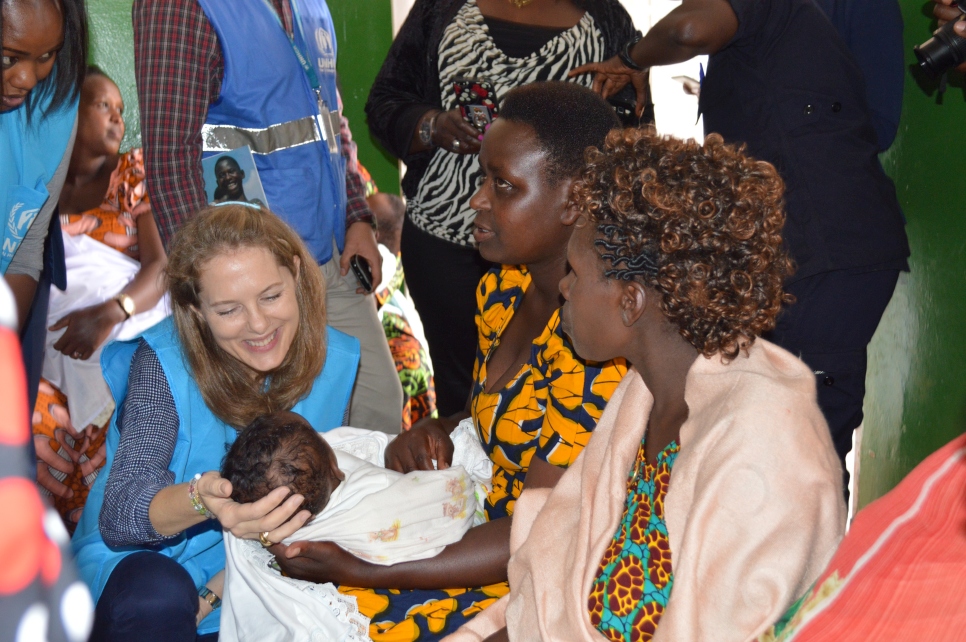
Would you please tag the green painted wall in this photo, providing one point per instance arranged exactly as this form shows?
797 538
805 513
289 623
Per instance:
916 399
364 33
112 49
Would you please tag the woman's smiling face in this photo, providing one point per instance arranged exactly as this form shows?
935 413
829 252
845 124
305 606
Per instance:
518 210
33 32
248 301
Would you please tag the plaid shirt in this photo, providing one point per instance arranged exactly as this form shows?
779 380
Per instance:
179 68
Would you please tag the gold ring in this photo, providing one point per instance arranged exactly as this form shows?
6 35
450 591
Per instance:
263 538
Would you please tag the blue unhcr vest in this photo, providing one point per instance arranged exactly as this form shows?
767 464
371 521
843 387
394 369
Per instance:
268 101
29 157
201 445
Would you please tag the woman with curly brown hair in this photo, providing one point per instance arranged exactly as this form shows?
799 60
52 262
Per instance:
710 496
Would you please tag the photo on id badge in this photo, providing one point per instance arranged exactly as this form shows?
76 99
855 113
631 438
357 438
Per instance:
233 177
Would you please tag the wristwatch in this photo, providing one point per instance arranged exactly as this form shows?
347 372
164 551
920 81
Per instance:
625 54
209 596
426 130
126 303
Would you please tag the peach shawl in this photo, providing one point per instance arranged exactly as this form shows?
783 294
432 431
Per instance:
754 509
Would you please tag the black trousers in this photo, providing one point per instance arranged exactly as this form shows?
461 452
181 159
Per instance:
829 327
442 278
150 598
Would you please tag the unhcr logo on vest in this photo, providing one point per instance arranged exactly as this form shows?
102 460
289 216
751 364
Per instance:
323 40
18 222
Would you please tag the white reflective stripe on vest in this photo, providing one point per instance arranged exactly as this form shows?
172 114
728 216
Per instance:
224 138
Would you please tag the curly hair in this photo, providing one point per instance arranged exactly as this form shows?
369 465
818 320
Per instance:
232 390
701 225
280 449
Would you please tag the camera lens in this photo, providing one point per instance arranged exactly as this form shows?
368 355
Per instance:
943 51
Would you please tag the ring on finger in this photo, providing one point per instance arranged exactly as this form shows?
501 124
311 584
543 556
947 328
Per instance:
263 538
456 145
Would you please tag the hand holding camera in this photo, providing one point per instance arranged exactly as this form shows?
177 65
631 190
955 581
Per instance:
947 48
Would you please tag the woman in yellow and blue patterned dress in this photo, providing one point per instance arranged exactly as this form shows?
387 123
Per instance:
534 402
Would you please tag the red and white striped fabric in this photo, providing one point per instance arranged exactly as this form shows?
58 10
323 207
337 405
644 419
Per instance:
900 573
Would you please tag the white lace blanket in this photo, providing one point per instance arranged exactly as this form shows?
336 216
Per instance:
376 514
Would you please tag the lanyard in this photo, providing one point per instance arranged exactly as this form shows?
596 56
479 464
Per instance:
327 129
309 70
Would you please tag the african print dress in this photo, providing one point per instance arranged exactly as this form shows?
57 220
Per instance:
75 454
551 406
634 580
409 353
548 410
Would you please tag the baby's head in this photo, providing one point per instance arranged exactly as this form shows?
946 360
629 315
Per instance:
282 449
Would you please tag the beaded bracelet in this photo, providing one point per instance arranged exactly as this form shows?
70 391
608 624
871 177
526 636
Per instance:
210 597
195 497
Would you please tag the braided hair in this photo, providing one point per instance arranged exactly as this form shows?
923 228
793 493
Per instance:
700 224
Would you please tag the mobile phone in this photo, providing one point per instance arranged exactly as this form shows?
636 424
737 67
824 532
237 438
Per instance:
362 270
624 103
477 101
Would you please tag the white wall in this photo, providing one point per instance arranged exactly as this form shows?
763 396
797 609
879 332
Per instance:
399 10
675 112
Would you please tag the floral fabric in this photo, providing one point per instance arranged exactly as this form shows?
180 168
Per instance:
114 223
408 353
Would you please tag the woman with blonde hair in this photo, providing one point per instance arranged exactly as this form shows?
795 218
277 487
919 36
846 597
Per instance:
247 337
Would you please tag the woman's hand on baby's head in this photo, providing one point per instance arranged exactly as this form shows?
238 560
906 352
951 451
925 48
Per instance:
273 513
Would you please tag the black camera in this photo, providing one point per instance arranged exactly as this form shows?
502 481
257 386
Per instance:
945 49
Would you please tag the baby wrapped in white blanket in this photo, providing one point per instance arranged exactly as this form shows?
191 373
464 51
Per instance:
376 514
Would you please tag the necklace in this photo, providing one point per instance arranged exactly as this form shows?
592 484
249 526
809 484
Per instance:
519 4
